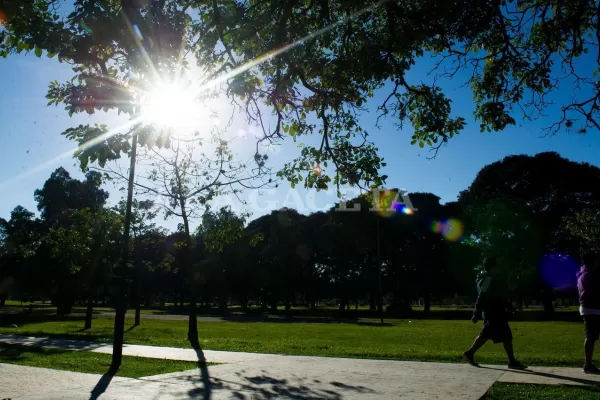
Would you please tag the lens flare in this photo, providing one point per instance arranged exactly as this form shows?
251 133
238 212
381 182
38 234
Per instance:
559 271
403 208
451 229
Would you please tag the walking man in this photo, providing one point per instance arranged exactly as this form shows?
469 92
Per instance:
492 305
588 284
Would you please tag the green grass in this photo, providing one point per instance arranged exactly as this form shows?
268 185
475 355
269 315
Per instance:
89 362
517 391
536 343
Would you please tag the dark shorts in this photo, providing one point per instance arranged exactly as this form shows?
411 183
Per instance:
496 330
592 326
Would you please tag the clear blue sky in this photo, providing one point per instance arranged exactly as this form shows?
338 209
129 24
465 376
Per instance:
32 141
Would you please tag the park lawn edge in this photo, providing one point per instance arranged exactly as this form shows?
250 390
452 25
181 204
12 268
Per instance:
536 343
518 391
90 362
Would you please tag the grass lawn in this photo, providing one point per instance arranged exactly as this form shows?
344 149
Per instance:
512 391
87 361
536 343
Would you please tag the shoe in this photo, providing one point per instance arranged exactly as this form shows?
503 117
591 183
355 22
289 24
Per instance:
516 365
591 369
470 358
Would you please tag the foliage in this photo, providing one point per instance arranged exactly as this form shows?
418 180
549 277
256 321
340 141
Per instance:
317 66
518 209
585 225
80 242
220 228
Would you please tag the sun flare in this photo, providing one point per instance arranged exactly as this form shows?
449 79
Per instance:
176 107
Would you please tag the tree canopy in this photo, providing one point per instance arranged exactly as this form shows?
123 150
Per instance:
316 66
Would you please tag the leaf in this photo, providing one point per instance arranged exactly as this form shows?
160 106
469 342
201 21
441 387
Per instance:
38 52
421 144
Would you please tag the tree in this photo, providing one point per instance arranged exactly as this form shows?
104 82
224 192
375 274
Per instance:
84 247
584 226
185 179
299 60
142 214
521 203
62 194
157 269
218 232
20 239
113 69
69 208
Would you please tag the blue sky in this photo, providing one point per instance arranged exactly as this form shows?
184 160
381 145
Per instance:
32 144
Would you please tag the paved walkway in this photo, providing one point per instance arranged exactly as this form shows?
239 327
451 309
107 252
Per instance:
265 376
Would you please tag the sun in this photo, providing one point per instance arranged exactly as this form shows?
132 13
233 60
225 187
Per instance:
174 106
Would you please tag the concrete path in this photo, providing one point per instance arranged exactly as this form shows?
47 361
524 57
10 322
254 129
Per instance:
296 378
265 376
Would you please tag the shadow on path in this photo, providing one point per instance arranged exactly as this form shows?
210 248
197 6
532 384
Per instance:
64 344
102 384
548 375
246 386
205 391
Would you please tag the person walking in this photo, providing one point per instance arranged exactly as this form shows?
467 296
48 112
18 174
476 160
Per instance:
492 306
588 285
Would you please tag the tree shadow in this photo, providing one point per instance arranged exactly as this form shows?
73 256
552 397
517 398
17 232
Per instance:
263 386
266 387
581 381
63 344
103 383
205 391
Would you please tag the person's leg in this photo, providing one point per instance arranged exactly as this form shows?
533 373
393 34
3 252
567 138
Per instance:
592 331
589 351
470 354
505 333
510 352
479 341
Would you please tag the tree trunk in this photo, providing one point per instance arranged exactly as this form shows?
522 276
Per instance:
372 301
222 303
342 306
88 312
3 299
64 306
193 325
548 305
119 331
288 305
426 304
137 313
